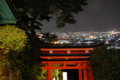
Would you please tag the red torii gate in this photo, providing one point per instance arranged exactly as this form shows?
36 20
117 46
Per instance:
67 58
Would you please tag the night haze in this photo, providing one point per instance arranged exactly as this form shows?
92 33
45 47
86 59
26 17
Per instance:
98 15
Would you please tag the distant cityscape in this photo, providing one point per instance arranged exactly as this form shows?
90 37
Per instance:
110 39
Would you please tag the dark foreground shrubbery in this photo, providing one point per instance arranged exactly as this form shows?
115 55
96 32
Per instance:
106 64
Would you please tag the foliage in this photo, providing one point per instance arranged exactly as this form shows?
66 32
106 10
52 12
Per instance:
18 55
55 74
32 14
12 39
49 37
105 64
39 10
43 74
28 63
12 43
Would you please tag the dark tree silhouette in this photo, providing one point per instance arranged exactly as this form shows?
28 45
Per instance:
105 64
33 12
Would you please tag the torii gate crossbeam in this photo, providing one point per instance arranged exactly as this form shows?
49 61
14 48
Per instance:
67 58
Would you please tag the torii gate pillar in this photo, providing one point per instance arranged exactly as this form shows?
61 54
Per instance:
80 73
68 58
49 72
85 72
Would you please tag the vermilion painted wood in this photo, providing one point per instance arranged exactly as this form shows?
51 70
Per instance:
84 69
66 67
85 72
64 57
64 49
71 51
68 62
80 72
49 72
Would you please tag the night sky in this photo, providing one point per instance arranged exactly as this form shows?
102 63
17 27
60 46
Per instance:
98 15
